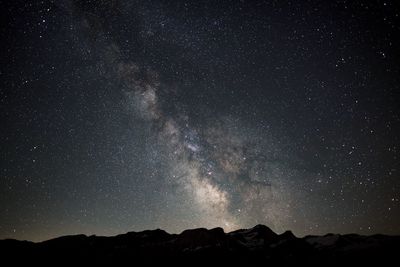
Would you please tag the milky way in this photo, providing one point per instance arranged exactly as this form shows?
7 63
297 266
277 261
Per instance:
129 115
217 169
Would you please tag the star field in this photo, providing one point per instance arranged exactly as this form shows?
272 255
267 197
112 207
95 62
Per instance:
122 116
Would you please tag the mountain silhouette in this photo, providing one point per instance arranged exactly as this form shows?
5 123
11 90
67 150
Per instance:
256 246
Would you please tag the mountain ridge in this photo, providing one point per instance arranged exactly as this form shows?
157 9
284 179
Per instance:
253 246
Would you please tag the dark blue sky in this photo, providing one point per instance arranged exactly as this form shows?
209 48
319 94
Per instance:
129 115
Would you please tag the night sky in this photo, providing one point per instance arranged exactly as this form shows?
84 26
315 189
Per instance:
120 116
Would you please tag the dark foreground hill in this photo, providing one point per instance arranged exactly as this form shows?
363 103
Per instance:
257 246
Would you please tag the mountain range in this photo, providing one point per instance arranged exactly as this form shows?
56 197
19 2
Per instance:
256 246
